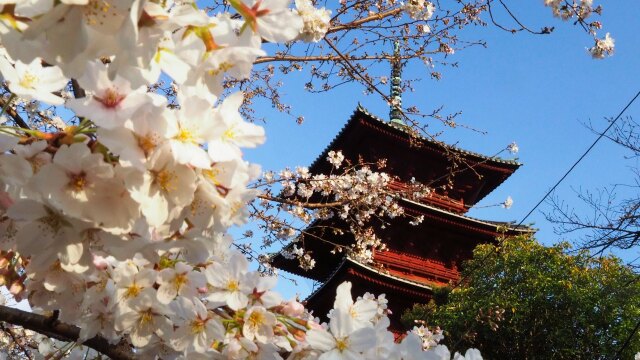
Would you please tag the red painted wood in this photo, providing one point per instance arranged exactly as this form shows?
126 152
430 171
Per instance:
440 201
415 268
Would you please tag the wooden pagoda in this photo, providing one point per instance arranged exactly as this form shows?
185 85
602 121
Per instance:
420 257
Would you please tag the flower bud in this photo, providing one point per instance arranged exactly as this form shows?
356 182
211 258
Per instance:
100 262
17 286
293 308
5 200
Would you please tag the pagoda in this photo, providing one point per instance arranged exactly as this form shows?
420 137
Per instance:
421 257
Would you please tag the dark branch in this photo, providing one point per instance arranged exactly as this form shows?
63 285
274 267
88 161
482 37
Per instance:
61 331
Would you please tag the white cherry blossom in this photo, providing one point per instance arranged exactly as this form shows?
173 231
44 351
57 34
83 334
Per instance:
316 21
229 282
199 328
144 319
362 312
179 281
232 132
33 81
164 189
265 18
74 177
188 129
109 103
341 343
258 324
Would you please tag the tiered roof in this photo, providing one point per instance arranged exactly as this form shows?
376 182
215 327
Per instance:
420 257
464 230
411 155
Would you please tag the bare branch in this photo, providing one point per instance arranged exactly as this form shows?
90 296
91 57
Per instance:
356 23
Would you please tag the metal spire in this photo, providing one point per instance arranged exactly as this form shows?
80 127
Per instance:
395 113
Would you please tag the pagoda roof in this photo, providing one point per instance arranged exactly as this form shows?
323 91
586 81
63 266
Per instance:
376 281
487 230
427 140
431 140
489 225
346 260
493 168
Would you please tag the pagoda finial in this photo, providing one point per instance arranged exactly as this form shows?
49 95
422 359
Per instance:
395 113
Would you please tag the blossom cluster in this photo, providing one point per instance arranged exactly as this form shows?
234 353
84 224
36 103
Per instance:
566 10
604 47
118 219
357 330
419 9
354 194
316 21
581 10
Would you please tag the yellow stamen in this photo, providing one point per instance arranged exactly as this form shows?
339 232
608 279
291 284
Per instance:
256 319
147 143
342 344
185 136
166 180
29 81
77 182
179 281
146 317
233 285
212 174
132 291
223 67
229 134
197 326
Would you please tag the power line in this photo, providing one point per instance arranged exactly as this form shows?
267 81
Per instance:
602 134
580 159
558 183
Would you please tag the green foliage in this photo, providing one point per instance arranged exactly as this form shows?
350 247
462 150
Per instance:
522 300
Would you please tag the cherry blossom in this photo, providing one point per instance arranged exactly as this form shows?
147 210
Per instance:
232 132
144 319
419 9
258 324
189 128
230 284
316 21
198 329
116 218
32 81
265 18
163 190
603 47
361 312
181 280
109 103
341 343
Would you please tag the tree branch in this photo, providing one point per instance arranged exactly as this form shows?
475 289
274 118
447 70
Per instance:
14 115
61 331
310 58
307 205
356 23
15 340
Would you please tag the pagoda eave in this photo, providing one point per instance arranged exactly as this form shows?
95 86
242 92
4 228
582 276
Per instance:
365 278
476 226
468 228
369 138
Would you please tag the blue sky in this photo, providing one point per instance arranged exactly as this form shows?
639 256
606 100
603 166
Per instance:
535 90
